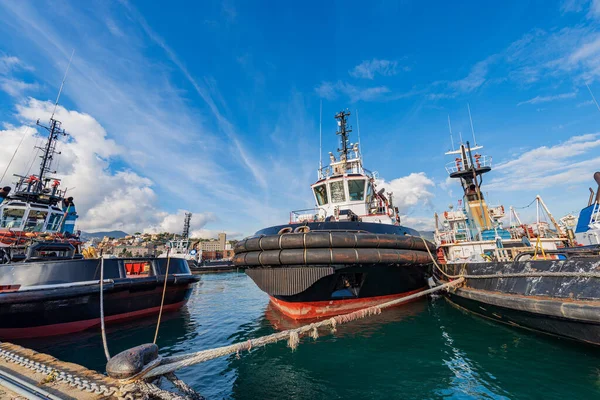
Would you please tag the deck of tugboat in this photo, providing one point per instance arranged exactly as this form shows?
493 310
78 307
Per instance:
341 226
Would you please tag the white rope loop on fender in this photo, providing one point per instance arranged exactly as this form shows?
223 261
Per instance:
174 363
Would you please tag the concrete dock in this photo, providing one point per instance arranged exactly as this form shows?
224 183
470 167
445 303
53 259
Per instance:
48 377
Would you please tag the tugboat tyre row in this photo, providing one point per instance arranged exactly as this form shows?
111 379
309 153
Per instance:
332 240
331 256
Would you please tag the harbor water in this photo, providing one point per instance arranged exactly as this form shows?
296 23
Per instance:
423 350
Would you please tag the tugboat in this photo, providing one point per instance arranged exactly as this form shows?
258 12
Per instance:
47 287
348 253
180 248
525 276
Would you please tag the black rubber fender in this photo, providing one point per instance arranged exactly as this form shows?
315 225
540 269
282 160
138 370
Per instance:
329 256
334 240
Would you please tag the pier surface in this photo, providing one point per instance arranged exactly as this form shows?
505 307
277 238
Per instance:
48 382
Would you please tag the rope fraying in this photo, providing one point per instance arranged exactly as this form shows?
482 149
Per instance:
294 340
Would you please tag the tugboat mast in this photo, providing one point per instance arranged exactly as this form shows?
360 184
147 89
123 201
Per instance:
54 131
343 131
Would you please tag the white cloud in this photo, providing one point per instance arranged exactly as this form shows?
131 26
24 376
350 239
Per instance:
369 68
545 166
546 99
8 83
573 5
409 191
106 199
15 87
331 91
476 77
585 103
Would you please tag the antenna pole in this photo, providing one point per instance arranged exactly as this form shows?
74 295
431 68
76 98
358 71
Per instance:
358 129
450 129
593 98
320 137
62 83
472 129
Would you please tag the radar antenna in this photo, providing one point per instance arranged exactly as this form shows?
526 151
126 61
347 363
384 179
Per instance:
186 225
343 131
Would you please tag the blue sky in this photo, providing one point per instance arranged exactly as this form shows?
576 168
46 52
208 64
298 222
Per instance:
213 106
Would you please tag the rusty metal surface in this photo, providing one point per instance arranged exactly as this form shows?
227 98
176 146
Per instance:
583 288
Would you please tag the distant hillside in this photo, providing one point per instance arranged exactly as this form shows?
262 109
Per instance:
100 235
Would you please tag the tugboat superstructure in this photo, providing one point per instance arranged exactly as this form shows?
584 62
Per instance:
473 231
347 191
37 210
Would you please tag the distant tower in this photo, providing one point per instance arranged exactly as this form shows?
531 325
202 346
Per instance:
222 240
186 225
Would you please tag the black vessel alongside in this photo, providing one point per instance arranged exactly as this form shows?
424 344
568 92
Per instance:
47 287
348 253
530 277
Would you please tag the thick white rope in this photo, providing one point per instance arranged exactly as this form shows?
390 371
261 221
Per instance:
102 327
173 363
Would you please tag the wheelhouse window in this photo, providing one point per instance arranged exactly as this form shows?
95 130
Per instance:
321 194
356 189
35 220
54 221
337 192
12 217
369 192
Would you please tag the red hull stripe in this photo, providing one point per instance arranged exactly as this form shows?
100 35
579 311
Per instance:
320 309
76 326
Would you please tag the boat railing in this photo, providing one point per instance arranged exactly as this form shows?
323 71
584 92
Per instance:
595 217
447 237
307 215
33 187
479 161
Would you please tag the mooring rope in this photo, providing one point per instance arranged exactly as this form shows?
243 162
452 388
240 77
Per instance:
167 365
162 301
102 327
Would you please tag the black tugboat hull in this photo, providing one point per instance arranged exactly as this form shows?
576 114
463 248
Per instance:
566 306
67 299
380 283
335 267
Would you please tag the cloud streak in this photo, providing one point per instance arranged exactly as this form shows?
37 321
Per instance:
369 68
547 99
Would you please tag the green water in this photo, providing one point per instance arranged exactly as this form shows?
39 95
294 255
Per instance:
425 350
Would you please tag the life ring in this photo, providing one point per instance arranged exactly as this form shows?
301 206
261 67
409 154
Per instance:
390 212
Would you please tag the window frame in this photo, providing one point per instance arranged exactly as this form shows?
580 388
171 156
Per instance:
362 198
